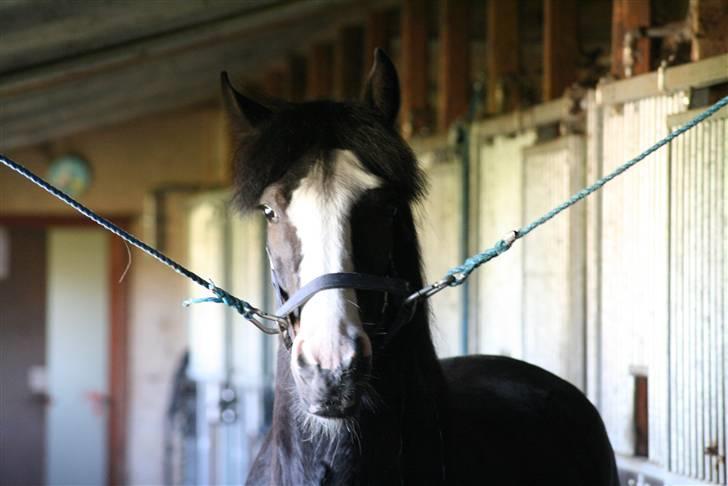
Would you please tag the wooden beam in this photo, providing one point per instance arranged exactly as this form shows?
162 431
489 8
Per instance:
630 50
198 38
297 72
320 71
415 113
35 35
560 47
348 62
376 35
84 103
454 54
161 83
277 82
502 56
709 26
167 71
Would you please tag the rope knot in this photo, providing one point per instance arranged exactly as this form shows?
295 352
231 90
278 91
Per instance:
242 307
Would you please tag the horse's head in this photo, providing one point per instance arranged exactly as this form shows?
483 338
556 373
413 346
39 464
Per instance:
330 179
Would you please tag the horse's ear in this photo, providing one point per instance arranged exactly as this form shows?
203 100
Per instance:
240 107
381 90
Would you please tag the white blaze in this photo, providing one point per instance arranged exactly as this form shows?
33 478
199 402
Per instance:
320 211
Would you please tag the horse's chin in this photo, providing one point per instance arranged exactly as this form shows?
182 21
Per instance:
328 427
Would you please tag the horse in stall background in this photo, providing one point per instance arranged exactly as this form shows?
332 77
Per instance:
359 400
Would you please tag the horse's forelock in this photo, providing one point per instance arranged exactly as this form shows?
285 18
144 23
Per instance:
300 135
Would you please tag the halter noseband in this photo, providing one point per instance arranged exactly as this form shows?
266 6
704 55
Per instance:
344 280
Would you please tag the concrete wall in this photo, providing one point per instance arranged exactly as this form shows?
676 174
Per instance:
182 148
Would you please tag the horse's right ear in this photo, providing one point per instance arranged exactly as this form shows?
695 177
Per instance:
240 107
381 90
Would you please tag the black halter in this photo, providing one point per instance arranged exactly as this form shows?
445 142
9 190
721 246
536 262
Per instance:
344 280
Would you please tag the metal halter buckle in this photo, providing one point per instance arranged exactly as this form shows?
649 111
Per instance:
255 318
432 289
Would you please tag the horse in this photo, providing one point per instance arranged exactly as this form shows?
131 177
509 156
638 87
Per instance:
360 394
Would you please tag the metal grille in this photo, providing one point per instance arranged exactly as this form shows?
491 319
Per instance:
553 260
698 300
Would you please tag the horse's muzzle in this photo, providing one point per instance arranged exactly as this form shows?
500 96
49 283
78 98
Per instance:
332 393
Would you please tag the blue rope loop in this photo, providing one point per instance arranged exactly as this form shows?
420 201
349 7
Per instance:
463 271
223 297
244 309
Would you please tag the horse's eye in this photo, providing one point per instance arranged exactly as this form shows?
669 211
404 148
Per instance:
270 215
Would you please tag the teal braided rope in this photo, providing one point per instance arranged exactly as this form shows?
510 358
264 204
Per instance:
221 295
457 275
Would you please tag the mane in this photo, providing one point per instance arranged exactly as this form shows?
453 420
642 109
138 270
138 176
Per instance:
298 135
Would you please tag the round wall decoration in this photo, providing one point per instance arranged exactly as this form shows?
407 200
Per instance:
71 174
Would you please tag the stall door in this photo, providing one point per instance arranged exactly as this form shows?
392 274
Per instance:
698 278
500 282
439 223
553 260
77 331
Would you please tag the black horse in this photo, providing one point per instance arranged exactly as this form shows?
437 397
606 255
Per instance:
358 401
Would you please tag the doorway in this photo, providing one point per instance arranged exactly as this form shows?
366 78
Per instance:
63 334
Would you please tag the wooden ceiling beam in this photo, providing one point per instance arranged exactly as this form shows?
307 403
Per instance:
502 57
250 26
162 72
375 35
454 53
709 27
167 83
628 17
297 71
277 82
320 75
35 34
415 113
560 47
348 62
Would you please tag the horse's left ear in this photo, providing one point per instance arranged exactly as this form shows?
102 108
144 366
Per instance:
381 90
241 107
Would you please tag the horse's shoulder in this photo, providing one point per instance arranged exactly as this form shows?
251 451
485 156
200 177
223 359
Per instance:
514 393
503 374
501 411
